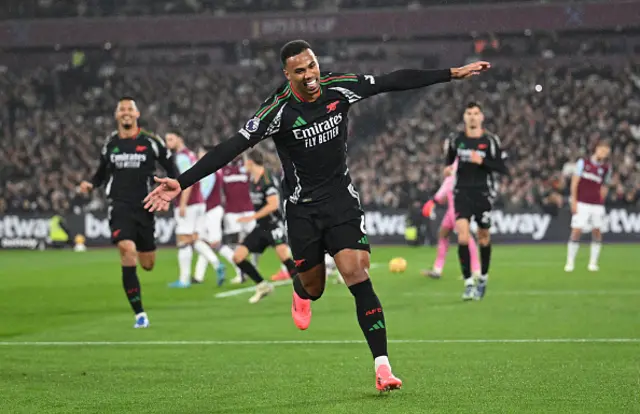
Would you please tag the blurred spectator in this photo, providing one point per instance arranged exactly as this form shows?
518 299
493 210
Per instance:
54 122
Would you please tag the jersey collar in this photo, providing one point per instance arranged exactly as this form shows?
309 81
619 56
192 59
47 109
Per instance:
299 97
133 137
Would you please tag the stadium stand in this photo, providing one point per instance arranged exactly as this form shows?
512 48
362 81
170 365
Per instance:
54 118
19 9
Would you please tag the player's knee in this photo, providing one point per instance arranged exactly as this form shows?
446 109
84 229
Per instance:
282 251
355 271
312 287
596 235
576 234
240 254
148 265
484 237
128 252
184 240
462 228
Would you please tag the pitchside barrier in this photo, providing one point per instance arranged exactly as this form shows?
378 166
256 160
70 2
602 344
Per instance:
384 226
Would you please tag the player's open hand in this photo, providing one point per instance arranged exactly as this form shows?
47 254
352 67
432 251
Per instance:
472 69
448 171
85 187
160 198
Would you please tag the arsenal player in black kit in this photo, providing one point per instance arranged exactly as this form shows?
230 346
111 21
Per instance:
307 119
480 159
269 229
127 163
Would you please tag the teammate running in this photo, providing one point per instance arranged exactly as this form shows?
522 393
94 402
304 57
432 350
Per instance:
479 159
445 194
588 192
189 214
307 119
210 230
127 163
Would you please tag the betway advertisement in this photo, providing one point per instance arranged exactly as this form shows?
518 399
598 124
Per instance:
383 227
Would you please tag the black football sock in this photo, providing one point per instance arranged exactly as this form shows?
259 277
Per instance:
485 258
291 267
370 317
465 260
131 286
250 270
301 291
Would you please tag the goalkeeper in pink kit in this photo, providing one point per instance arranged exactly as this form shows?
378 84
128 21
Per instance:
445 194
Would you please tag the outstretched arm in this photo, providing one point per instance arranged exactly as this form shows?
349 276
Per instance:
364 86
221 155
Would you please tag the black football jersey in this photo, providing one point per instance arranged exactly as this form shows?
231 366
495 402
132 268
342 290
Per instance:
470 176
311 137
259 192
127 166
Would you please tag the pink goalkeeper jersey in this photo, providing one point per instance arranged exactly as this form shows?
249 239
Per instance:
446 189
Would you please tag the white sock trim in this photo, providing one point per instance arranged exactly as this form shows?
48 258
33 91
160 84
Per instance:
381 360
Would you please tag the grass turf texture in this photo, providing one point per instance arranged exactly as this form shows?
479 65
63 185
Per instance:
65 296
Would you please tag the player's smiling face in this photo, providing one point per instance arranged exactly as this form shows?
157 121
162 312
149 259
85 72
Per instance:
303 71
127 114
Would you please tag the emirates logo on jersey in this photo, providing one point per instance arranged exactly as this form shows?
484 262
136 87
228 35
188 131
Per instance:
319 132
126 160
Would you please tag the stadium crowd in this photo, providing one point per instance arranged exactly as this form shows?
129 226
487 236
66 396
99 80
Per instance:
16 9
55 122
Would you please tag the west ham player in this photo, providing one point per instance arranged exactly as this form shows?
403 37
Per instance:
237 204
127 163
307 119
211 228
445 194
189 213
588 192
480 158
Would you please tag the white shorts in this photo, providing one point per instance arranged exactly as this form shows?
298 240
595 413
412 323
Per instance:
588 217
231 225
189 223
212 225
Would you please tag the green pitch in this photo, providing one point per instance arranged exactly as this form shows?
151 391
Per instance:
541 341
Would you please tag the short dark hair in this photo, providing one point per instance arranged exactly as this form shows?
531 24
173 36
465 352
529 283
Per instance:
474 104
293 48
603 143
126 98
176 132
256 156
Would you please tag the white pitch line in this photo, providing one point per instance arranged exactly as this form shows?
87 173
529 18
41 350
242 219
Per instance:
240 291
539 293
331 342
236 292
